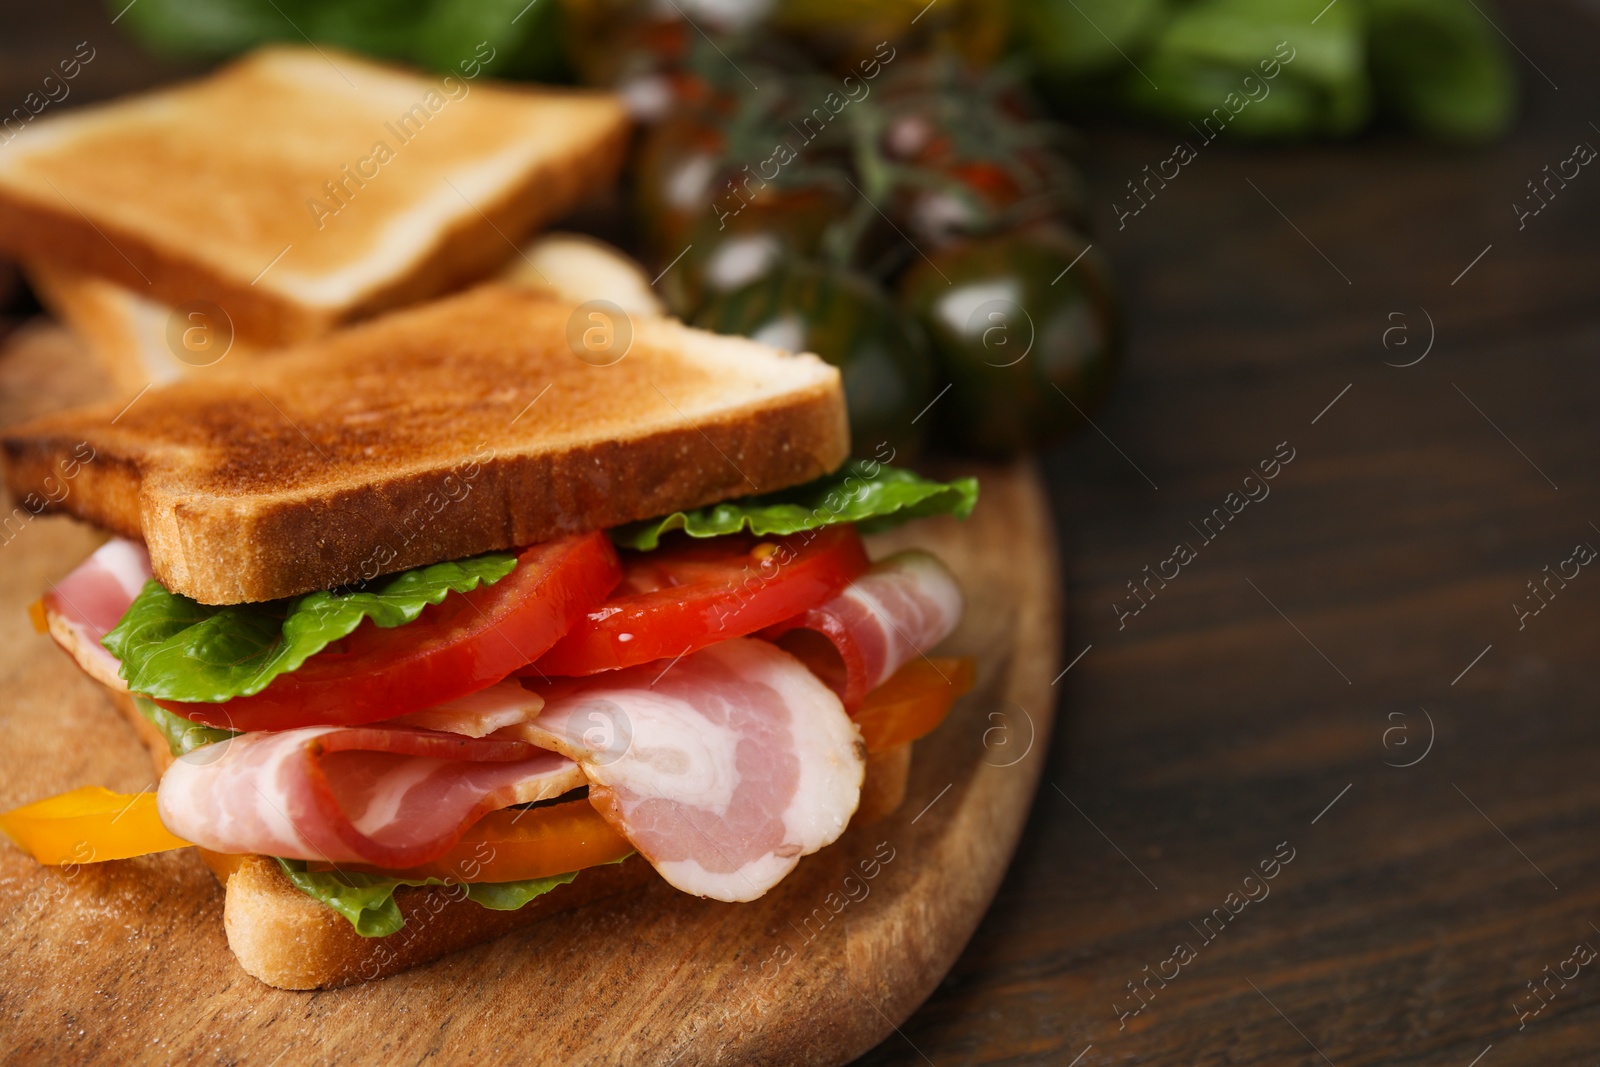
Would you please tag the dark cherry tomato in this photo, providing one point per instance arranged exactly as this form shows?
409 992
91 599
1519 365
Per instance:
746 240
609 42
679 167
1029 346
851 323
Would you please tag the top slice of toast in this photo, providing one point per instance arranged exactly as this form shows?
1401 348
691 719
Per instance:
300 188
492 419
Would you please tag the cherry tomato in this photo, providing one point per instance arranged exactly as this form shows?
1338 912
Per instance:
464 643
680 164
514 844
743 241
695 593
849 322
913 701
1026 332
970 156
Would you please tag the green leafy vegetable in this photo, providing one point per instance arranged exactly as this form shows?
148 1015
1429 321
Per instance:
182 735
174 648
1437 65
367 900
507 38
869 494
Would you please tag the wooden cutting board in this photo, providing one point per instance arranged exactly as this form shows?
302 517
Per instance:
126 961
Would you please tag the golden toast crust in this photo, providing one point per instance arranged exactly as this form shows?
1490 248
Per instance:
459 427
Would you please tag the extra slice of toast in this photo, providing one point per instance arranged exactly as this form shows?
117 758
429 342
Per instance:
140 342
489 420
299 188
128 333
290 940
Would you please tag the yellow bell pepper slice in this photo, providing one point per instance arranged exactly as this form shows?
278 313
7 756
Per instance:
89 825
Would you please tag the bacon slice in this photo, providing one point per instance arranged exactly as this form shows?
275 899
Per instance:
392 797
723 768
895 612
477 714
88 603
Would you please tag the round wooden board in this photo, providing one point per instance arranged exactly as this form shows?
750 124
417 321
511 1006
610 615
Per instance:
126 961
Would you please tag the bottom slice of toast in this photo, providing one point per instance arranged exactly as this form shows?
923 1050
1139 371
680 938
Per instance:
293 941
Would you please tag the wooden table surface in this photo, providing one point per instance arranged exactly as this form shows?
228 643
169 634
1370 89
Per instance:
1362 615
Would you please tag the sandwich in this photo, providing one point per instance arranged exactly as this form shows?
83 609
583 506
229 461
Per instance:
290 192
464 616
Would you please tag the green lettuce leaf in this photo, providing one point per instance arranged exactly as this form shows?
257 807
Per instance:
183 735
367 900
174 648
872 496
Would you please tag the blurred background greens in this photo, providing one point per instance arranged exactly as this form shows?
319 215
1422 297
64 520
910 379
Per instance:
1434 66
893 184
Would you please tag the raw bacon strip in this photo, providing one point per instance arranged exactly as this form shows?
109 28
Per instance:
387 796
476 714
88 603
895 612
723 768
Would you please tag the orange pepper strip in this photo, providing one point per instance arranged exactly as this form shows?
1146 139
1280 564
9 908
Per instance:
913 701
89 825
512 844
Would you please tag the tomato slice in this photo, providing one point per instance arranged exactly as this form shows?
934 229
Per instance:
914 700
695 593
517 843
464 643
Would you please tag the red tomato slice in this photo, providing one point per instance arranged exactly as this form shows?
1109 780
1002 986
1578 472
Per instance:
695 593
458 646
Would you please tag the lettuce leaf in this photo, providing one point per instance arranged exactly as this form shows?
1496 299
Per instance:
174 648
367 900
182 735
869 494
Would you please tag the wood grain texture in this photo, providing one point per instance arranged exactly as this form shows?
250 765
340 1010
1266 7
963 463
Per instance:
126 960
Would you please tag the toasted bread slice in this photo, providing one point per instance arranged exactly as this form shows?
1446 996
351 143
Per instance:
290 940
128 333
299 188
475 423
140 342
